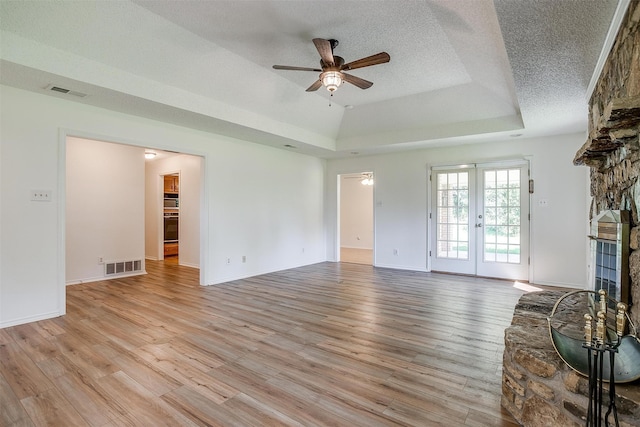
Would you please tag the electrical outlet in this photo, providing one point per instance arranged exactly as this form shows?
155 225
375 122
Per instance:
244 258
228 260
40 195
100 260
396 252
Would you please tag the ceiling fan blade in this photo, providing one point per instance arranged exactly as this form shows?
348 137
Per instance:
325 51
315 86
287 67
357 81
378 58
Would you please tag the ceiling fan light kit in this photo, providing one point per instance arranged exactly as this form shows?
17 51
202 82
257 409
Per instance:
367 179
331 73
331 80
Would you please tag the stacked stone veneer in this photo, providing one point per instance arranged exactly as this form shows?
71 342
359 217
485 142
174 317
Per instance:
612 150
538 388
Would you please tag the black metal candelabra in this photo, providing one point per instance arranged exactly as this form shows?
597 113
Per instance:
598 345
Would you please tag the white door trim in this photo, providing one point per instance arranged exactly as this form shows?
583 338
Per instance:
526 161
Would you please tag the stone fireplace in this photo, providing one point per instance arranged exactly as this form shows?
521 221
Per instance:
538 388
612 150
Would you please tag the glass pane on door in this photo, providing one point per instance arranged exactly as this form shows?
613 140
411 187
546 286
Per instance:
452 215
479 223
502 213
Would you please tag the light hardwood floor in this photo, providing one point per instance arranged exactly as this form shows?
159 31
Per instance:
357 256
322 345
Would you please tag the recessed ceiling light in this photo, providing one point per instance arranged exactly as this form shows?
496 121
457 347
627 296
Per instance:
515 135
349 107
290 146
150 155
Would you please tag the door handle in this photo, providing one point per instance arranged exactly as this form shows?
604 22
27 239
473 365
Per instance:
478 225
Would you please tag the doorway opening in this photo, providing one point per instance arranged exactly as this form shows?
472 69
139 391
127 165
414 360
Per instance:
172 209
356 218
171 216
106 215
479 220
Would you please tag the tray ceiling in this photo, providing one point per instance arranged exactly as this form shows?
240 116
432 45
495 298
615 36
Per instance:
460 71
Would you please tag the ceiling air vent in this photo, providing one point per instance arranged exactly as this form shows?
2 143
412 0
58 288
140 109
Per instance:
59 89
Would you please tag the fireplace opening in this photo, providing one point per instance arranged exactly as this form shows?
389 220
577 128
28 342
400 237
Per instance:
610 254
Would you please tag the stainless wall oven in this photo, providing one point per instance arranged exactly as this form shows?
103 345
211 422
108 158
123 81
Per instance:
170 227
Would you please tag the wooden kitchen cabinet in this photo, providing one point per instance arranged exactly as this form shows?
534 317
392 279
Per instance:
171 183
170 249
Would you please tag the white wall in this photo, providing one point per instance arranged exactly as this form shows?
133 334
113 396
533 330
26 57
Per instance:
190 171
356 214
260 202
559 242
31 267
104 206
266 204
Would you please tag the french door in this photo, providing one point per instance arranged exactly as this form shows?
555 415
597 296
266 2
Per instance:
480 220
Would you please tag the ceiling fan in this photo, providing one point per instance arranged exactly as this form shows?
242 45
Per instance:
333 67
366 178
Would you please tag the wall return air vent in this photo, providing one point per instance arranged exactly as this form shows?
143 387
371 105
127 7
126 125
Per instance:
112 269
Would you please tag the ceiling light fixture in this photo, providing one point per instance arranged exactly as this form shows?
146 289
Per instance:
150 155
367 180
331 80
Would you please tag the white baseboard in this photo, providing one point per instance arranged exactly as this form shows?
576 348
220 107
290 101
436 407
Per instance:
29 319
98 279
188 264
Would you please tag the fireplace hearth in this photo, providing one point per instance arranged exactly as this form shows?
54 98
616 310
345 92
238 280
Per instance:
538 388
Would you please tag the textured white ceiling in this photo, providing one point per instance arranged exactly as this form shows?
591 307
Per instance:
460 70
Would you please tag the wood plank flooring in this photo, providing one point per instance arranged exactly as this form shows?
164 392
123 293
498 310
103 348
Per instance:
331 344
356 255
